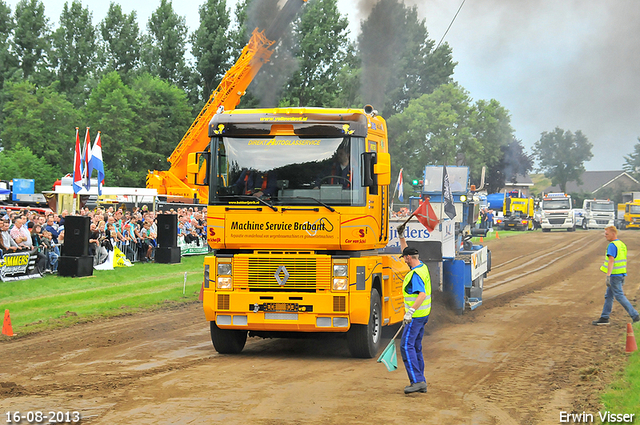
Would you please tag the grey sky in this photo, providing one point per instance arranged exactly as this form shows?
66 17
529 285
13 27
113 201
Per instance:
573 64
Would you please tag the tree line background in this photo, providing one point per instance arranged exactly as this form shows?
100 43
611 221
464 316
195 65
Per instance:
143 88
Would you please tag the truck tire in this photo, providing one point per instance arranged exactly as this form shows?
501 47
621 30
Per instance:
227 341
365 340
571 229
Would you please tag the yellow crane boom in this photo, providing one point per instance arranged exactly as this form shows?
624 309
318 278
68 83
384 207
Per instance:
226 96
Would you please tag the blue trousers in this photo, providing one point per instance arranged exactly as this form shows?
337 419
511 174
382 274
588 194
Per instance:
615 291
411 349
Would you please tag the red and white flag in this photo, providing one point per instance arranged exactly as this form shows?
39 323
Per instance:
77 169
426 215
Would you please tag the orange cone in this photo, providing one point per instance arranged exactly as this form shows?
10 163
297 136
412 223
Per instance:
7 329
481 239
497 235
631 340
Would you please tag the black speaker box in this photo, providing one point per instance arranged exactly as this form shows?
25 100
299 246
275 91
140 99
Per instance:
168 255
167 230
76 236
75 266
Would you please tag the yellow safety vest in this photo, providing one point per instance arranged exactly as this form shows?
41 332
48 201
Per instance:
425 308
620 262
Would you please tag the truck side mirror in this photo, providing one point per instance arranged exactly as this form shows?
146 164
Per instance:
383 169
376 169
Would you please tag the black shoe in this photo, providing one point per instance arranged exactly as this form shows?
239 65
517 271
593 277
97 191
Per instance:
600 321
636 319
418 387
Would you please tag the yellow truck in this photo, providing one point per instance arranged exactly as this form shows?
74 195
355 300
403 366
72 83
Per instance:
632 215
298 209
517 213
298 251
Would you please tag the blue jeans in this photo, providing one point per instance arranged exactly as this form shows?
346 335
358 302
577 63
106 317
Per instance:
615 291
411 349
52 261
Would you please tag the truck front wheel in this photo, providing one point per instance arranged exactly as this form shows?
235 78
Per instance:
365 340
227 341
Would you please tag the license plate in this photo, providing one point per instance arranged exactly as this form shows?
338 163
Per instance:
292 307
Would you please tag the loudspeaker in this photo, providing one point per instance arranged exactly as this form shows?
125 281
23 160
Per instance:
167 230
76 236
168 255
75 266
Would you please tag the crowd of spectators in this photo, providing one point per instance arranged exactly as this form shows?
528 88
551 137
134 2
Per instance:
133 231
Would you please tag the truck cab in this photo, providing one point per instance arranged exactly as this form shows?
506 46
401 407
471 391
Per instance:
297 216
598 213
632 215
518 212
557 212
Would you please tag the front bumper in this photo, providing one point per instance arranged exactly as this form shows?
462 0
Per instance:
598 223
278 312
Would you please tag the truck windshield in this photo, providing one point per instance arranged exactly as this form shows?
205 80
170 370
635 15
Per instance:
289 170
602 207
556 204
634 209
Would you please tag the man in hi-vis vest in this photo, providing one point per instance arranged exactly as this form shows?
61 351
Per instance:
615 266
416 289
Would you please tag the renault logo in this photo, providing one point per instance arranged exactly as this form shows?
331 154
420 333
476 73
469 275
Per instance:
281 280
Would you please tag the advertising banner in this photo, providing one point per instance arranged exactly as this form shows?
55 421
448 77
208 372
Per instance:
18 266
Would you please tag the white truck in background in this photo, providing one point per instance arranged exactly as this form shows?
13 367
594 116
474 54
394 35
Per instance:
598 213
557 212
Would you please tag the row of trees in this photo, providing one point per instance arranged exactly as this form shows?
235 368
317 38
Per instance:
142 90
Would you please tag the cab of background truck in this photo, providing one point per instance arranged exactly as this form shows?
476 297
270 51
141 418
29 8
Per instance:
632 214
557 212
598 213
298 207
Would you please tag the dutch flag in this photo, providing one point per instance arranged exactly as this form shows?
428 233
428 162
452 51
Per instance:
95 163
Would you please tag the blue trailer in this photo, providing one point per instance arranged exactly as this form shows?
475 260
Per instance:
457 266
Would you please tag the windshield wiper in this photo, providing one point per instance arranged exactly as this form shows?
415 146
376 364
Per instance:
253 198
329 207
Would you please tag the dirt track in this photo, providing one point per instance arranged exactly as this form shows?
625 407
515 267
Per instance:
524 356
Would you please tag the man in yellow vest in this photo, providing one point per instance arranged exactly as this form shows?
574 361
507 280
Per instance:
416 289
615 266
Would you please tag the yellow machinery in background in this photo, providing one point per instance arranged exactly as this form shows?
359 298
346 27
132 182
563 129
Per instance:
174 182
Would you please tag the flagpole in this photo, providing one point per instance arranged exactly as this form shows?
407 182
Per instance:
442 199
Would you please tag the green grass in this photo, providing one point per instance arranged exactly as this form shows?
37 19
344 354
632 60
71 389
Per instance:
53 301
623 395
540 182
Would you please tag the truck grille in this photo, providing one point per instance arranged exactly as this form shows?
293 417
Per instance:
339 303
556 221
602 222
223 301
257 273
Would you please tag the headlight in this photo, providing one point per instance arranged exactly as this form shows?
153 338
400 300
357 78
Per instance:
340 284
224 283
224 269
340 270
